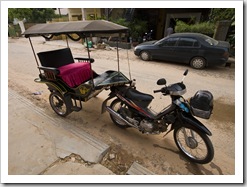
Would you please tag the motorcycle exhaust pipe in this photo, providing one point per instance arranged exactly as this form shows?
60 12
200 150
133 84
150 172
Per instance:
119 117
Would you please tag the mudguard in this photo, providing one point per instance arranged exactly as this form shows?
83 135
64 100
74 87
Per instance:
111 95
51 85
194 122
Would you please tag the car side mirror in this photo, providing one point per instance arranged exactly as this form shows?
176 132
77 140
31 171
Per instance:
161 81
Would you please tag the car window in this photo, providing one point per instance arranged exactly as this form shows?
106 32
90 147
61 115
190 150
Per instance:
188 42
210 40
168 42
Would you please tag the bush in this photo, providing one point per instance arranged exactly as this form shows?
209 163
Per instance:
136 27
204 28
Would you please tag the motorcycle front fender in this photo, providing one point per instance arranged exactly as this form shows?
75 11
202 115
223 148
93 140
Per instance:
192 121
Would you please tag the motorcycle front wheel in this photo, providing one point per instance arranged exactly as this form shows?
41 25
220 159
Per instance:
195 145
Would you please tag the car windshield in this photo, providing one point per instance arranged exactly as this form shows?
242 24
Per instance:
160 41
210 40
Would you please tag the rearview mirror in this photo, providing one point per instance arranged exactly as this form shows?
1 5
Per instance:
186 72
161 81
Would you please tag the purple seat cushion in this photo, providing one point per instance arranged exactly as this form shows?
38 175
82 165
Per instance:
75 74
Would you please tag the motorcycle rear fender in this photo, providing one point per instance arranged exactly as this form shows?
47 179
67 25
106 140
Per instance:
192 121
103 107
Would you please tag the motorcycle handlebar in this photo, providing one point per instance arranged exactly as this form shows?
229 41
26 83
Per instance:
163 90
156 91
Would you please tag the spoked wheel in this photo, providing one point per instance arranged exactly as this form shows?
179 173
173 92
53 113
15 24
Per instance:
58 104
194 144
116 105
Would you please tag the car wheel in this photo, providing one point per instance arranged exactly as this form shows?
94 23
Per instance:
198 63
145 56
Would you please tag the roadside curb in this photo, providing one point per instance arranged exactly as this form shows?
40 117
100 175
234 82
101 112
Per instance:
137 169
66 140
88 147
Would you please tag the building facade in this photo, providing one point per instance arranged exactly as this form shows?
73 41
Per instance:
158 19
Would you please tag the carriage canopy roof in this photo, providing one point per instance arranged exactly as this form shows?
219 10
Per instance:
78 27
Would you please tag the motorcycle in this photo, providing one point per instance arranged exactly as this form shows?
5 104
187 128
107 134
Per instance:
130 109
148 36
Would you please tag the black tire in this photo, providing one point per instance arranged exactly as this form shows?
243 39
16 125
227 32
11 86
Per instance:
116 105
145 56
195 147
198 63
58 104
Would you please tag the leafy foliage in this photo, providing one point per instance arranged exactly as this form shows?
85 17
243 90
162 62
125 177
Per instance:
137 27
218 14
206 28
32 15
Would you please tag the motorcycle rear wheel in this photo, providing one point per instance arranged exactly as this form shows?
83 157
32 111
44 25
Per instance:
116 105
195 145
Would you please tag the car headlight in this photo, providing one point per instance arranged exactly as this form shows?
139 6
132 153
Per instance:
135 49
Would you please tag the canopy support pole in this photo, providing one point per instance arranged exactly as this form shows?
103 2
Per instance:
88 52
34 53
118 58
128 64
67 41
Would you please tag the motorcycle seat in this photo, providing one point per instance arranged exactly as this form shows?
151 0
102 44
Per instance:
138 96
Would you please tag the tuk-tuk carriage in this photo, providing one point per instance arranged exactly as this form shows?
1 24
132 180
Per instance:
70 80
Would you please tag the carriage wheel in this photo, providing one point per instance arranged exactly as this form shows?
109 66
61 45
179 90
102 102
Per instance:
58 104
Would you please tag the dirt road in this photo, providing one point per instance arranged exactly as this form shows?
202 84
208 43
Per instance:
158 154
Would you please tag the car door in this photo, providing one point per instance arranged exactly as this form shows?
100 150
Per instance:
164 49
186 48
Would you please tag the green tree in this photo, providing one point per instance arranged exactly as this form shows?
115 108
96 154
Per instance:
19 13
218 14
136 27
32 15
